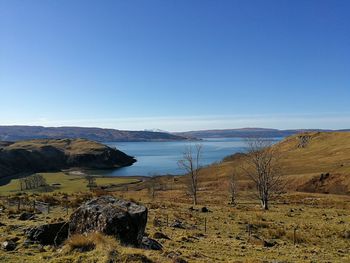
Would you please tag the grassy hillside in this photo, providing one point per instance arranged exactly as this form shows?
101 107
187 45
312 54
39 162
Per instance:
325 153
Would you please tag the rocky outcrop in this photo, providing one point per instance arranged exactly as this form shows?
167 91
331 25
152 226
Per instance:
49 234
151 244
52 155
122 219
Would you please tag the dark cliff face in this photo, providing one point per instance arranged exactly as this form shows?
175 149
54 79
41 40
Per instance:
53 155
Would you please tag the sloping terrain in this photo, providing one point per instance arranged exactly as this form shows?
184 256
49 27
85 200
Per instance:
310 162
52 155
16 133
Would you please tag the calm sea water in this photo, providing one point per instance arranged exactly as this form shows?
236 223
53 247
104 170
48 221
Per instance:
160 158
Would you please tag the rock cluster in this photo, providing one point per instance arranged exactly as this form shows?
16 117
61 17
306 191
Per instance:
124 220
49 234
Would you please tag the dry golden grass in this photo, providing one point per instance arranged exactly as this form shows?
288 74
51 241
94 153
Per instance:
90 241
321 222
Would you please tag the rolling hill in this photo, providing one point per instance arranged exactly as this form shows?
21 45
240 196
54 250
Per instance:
321 164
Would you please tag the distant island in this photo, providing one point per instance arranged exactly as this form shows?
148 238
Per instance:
17 133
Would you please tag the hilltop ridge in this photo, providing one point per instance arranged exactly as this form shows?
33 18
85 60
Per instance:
248 132
17 133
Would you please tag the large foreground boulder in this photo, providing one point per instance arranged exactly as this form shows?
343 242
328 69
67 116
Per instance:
122 219
49 234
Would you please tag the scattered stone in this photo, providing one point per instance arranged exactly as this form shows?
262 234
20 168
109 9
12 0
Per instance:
199 235
8 245
26 216
42 249
134 258
269 243
179 260
149 243
159 235
172 254
346 234
27 243
14 239
122 219
175 256
2 224
157 223
177 224
184 239
49 234
204 209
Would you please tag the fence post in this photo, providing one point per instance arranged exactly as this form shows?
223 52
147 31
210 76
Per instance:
34 206
19 204
295 236
167 220
48 208
205 225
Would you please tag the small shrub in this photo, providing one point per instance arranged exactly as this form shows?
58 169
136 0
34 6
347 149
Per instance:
100 192
50 199
299 237
84 243
276 232
81 243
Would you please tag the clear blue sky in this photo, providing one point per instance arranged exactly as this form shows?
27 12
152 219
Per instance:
175 64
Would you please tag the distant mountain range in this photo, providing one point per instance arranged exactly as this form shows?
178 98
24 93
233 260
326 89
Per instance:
17 133
247 132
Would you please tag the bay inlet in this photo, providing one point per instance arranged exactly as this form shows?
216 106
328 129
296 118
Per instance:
160 158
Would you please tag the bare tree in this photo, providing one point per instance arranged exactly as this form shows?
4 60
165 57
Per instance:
22 183
232 187
91 180
151 185
191 164
262 167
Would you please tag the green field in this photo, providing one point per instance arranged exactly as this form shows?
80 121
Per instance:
68 183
